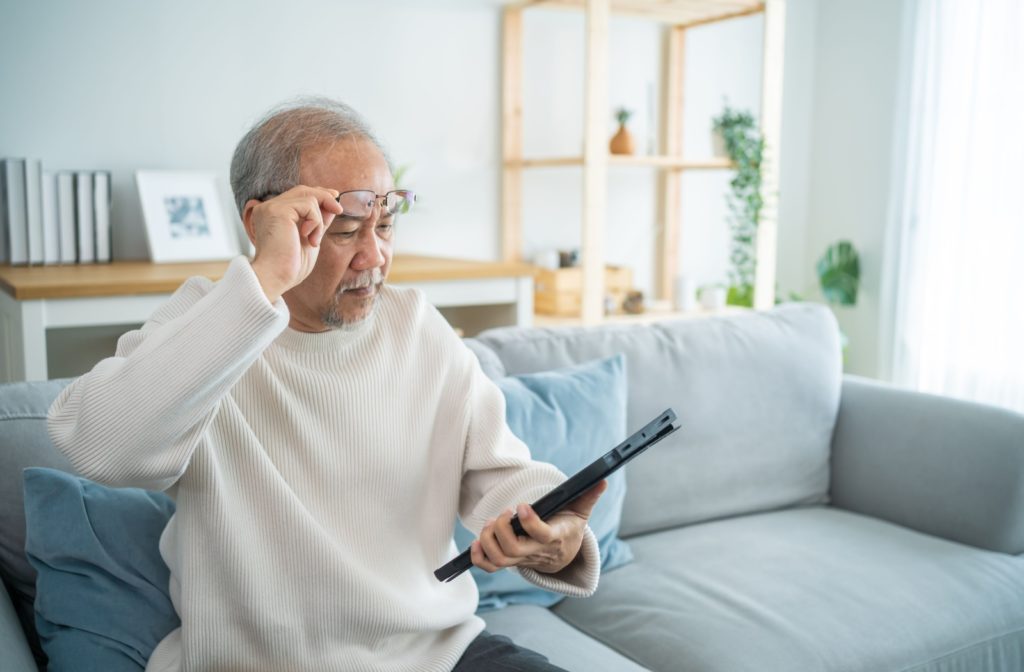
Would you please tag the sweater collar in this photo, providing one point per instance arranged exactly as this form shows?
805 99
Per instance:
326 341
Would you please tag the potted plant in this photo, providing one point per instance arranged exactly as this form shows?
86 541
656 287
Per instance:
839 273
712 296
745 147
622 141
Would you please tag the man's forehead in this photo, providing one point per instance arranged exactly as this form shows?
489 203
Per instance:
347 163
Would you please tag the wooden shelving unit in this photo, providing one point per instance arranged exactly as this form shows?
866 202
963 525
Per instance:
678 17
654 161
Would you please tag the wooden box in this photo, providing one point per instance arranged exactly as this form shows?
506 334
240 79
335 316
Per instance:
560 291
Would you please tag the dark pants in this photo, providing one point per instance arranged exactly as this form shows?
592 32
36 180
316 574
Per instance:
496 653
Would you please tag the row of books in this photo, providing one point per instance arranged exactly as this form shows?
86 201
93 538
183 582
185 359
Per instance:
53 217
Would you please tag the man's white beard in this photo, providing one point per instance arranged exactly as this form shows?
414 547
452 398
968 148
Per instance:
333 318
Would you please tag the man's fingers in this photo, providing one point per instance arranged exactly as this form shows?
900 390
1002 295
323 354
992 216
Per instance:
327 198
584 504
308 225
512 545
305 200
329 203
309 230
312 226
329 208
476 553
532 524
492 549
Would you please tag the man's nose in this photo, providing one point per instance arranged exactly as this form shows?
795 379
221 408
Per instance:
368 250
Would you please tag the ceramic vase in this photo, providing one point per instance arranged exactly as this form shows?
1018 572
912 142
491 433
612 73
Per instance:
622 142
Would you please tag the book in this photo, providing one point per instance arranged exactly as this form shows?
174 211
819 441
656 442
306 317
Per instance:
17 218
84 212
101 209
5 256
66 217
34 209
51 227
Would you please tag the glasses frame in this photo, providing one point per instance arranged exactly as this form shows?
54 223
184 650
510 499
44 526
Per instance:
382 199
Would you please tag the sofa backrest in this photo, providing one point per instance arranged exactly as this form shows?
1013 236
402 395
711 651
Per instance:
757 395
24 443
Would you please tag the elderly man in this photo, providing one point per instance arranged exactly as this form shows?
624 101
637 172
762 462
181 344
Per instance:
320 431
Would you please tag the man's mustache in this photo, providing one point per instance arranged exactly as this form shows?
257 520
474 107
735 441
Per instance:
364 279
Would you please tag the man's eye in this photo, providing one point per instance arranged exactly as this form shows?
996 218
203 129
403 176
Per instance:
345 234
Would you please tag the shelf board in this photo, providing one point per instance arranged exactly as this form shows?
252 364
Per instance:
654 161
677 12
546 162
670 162
144 277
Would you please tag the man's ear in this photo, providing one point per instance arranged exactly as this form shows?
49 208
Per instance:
247 221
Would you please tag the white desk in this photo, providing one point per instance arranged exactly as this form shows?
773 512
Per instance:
35 299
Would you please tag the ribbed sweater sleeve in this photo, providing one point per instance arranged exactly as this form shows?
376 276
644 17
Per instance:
498 473
136 418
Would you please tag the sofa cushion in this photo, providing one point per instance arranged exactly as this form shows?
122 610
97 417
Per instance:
16 653
757 396
815 588
23 443
489 362
569 418
538 629
102 600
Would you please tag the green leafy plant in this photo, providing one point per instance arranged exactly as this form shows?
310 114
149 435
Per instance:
622 115
839 273
745 147
401 171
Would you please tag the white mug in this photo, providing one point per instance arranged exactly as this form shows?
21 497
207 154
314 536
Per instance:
546 259
712 298
686 294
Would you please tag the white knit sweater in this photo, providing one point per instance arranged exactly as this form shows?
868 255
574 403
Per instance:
317 477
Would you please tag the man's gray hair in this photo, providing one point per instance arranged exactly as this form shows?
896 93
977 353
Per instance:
266 160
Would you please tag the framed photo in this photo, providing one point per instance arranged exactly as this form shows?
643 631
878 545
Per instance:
185 220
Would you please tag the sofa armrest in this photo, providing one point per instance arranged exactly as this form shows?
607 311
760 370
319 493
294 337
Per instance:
17 657
950 468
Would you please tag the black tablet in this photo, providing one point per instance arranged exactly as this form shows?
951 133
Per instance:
586 478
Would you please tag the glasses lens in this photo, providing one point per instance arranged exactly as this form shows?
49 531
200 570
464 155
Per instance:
399 202
357 203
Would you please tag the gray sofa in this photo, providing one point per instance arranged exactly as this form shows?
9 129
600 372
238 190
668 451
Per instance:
800 520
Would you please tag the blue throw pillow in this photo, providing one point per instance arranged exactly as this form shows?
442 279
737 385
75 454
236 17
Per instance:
568 417
102 599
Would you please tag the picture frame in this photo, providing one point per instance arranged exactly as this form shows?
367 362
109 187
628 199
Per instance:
184 216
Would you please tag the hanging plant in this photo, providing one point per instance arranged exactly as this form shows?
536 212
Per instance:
745 148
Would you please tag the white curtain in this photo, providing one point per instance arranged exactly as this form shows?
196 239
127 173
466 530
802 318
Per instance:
956 239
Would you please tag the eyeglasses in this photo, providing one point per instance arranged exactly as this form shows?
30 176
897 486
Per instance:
359 203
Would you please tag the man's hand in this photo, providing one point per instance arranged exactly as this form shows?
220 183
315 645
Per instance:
286 231
552 544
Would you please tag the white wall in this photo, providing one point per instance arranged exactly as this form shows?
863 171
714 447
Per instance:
126 85
858 46
794 275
